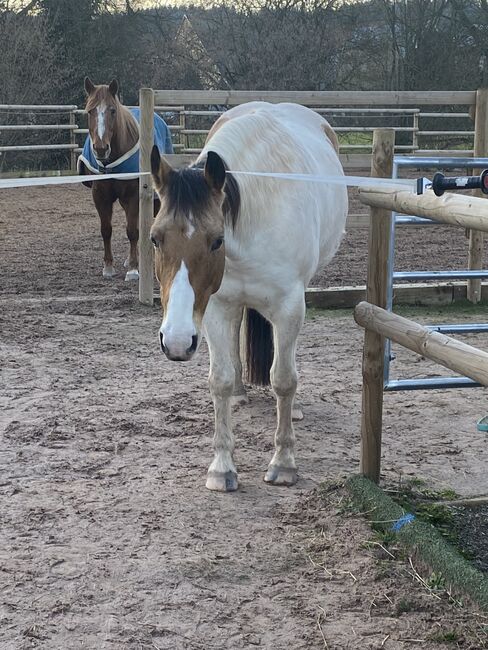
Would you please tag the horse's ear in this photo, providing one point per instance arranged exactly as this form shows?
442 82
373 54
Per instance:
160 169
114 87
214 171
89 86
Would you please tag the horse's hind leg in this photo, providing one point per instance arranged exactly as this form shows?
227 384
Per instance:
283 375
104 205
131 208
239 396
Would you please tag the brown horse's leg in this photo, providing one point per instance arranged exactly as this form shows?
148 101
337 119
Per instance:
104 202
131 209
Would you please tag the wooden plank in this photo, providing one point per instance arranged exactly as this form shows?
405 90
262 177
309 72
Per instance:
38 127
475 249
37 147
442 349
453 209
315 98
146 208
376 292
39 107
415 294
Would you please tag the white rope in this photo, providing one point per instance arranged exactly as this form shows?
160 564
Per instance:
355 181
62 180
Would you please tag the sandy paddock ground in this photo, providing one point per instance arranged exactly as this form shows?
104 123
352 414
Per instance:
108 538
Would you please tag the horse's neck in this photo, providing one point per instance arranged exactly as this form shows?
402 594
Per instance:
125 135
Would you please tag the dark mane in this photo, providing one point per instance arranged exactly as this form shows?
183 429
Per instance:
188 192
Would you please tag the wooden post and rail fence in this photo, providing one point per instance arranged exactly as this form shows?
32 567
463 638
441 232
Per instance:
458 210
186 106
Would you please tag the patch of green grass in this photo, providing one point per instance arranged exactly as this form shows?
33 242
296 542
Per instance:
436 314
356 137
415 496
314 313
436 582
404 606
447 636
458 308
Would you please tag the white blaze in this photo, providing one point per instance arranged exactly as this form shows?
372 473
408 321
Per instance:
101 120
178 327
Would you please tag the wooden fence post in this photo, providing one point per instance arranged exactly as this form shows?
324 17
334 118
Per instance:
72 140
183 136
475 255
376 293
146 201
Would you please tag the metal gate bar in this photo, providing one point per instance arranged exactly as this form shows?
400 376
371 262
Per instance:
428 382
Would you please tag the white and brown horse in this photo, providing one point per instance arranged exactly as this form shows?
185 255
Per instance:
113 147
228 242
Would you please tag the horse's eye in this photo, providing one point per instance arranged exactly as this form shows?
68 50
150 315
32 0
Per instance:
217 244
155 242
113 111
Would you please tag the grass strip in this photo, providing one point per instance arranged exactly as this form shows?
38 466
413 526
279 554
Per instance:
421 539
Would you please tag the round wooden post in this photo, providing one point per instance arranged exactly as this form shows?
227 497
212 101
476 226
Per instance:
376 293
475 255
146 208
72 140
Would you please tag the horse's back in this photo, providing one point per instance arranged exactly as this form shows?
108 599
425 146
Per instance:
301 222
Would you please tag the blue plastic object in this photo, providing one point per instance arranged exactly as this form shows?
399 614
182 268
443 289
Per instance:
483 424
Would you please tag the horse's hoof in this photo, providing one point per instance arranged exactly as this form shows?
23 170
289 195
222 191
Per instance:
296 414
133 274
279 475
108 272
239 400
222 481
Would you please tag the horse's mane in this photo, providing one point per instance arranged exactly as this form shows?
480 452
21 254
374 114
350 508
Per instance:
189 193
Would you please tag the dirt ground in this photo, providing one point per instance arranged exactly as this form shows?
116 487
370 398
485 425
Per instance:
108 538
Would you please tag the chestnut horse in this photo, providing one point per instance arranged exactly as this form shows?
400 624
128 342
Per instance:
113 147
225 243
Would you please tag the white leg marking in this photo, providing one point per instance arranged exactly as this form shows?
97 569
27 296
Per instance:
133 274
108 272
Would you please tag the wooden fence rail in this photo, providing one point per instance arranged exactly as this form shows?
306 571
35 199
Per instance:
448 352
452 209
185 105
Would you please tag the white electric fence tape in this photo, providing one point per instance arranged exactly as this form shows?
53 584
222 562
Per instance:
62 180
355 181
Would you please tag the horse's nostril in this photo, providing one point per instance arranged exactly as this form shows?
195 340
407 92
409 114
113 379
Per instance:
194 342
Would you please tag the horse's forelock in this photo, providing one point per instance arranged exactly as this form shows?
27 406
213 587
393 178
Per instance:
100 94
188 194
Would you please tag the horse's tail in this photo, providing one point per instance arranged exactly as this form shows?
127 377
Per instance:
259 347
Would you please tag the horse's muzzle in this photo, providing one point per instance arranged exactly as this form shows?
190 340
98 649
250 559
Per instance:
179 357
102 154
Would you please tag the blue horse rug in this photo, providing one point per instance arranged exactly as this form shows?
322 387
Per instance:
129 162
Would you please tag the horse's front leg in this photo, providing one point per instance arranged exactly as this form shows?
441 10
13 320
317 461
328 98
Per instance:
220 323
130 205
104 204
286 327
